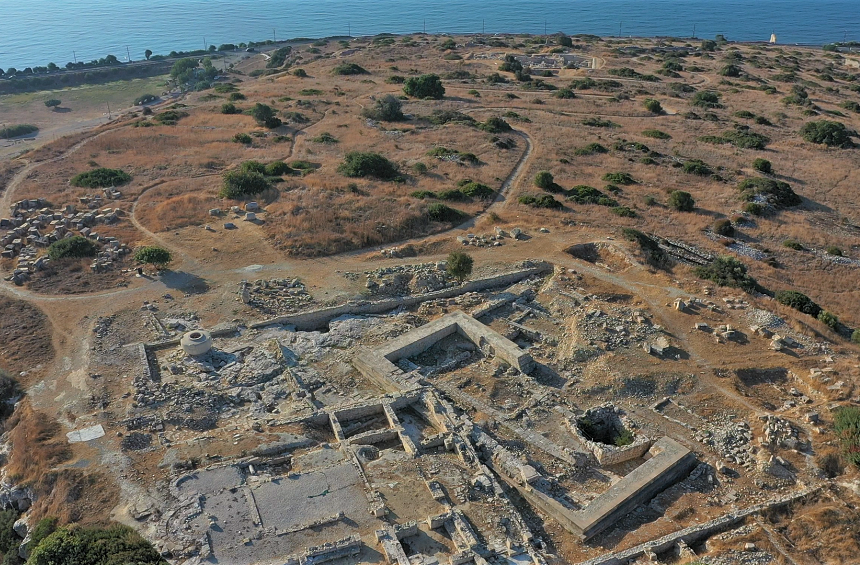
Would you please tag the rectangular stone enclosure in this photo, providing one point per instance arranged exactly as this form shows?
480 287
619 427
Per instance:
379 364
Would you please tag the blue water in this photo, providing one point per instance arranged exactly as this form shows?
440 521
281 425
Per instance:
35 32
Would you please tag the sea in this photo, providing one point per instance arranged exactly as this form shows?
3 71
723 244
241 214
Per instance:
36 32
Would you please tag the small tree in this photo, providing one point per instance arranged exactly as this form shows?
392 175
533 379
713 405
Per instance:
158 257
264 115
147 54
829 319
387 109
763 166
653 106
425 86
460 265
76 247
544 180
681 201
52 103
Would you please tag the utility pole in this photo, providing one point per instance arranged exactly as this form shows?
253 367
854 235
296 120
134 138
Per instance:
75 57
483 27
127 52
109 114
694 31
425 26
348 29
619 28
273 35
204 43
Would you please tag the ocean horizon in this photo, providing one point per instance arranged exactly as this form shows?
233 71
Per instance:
37 32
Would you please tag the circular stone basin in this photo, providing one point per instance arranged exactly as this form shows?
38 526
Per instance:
196 342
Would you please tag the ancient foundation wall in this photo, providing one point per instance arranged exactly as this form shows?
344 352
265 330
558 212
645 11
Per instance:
317 319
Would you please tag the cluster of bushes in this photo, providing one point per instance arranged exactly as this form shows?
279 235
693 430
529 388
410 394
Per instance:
170 117
462 158
589 83
101 178
279 57
681 200
590 149
846 424
627 72
264 115
777 193
596 122
741 137
831 134
619 178
424 86
8 132
697 167
656 134
465 190
248 180
495 124
387 109
584 194
653 106
442 117
438 212
706 99
346 69
76 247
728 271
540 201
359 164
325 138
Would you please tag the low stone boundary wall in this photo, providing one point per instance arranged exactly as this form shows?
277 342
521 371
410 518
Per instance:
315 319
693 533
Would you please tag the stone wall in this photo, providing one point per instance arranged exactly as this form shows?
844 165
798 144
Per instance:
607 415
316 319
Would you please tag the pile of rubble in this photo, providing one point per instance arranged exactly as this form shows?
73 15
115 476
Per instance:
732 440
275 296
34 225
403 280
778 431
621 327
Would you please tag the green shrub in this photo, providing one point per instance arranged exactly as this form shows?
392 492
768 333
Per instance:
386 109
791 244
831 134
442 117
296 117
724 227
477 190
76 247
300 73
264 116
584 194
777 193
230 108
763 166
305 166
252 167
236 96
681 201
226 88
439 212
851 106
495 124
239 184
697 167
727 271
366 164
158 257
564 93
835 251
762 121
706 99
423 194
798 301
745 114
349 69
101 178
395 79
590 149
599 123
424 86
453 195
754 208
8 132
459 265
277 169
653 106
656 134
325 137
623 211
95 546
846 424
540 201
242 138
829 319
650 201
419 169
544 180
730 71
278 58
855 336
310 92
619 178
